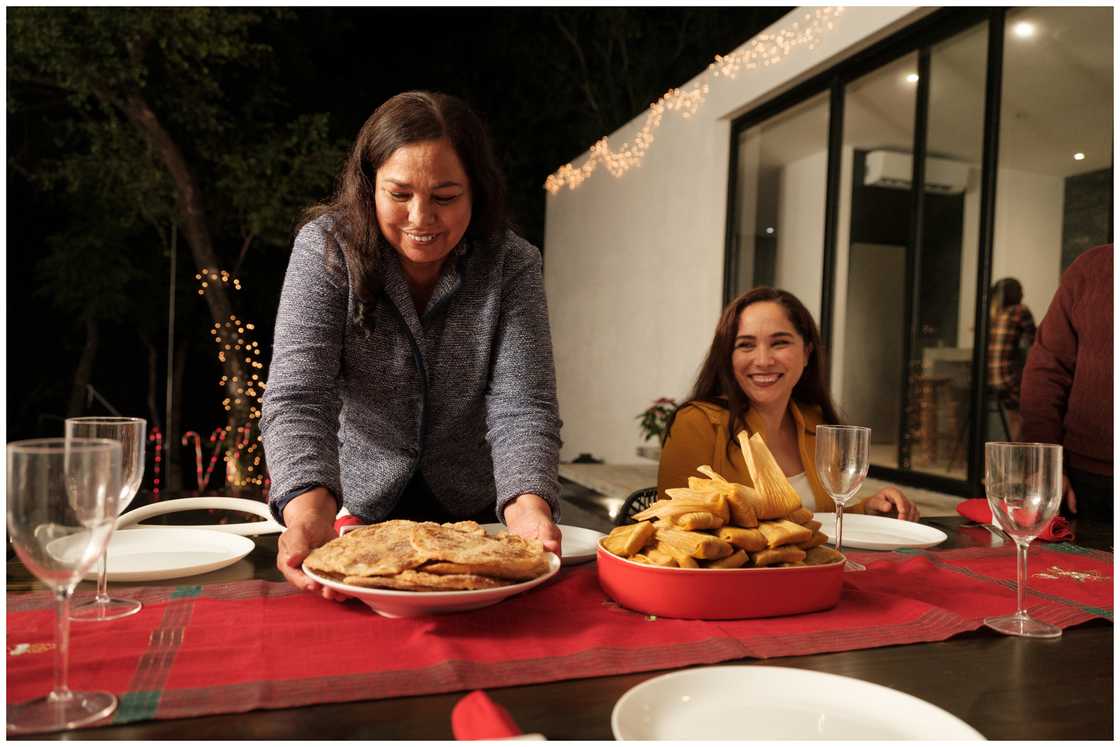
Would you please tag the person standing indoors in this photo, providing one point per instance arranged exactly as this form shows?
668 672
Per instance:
1011 333
1067 383
764 374
412 373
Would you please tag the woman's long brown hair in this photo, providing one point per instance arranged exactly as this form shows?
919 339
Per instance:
716 383
410 117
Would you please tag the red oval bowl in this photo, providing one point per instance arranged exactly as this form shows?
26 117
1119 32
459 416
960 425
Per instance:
719 593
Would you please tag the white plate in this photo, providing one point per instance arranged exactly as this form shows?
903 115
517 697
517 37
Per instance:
764 702
156 554
879 532
394 603
249 528
578 545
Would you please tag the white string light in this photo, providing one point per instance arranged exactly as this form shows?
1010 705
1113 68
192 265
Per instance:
763 50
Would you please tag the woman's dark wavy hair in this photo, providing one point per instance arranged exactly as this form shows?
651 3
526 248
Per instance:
409 117
717 384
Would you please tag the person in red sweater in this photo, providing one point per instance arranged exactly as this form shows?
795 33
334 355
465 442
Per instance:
1066 395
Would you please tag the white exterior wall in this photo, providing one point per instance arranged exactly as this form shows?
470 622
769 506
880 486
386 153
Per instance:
1028 235
634 266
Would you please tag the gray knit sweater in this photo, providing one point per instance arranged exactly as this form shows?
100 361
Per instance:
464 393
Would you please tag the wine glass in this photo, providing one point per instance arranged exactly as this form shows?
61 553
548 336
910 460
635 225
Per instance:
130 433
1024 487
842 465
62 502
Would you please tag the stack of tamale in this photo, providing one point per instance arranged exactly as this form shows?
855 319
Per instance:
714 523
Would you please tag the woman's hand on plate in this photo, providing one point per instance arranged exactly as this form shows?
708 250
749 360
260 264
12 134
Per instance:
309 518
888 500
528 515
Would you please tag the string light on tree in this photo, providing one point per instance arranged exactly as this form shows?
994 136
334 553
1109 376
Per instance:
764 50
233 337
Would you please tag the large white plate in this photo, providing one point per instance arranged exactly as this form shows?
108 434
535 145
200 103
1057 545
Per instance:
879 532
578 545
764 702
393 603
156 554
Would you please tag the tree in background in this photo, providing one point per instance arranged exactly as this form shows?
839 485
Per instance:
166 120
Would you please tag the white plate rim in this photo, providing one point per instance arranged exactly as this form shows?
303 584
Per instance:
236 547
269 525
373 594
587 536
826 680
921 535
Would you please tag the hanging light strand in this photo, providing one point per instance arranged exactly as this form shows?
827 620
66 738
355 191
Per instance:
762 51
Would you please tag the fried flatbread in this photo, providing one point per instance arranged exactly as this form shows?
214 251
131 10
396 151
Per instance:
383 549
510 556
421 581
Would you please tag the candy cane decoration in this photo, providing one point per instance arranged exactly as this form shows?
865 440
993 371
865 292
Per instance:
156 436
197 456
216 438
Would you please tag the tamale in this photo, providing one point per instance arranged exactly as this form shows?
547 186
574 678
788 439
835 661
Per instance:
814 525
747 539
629 539
669 509
777 555
742 501
697 544
684 560
778 496
818 538
660 557
783 532
698 520
800 515
822 555
736 559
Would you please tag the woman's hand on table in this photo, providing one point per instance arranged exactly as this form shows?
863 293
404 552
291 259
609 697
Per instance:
309 519
888 500
528 515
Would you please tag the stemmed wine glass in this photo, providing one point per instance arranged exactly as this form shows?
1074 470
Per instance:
1024 487
130 434
62 502
842 466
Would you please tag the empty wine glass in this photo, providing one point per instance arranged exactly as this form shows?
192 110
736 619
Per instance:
1023 483
61 505
842 466
130 433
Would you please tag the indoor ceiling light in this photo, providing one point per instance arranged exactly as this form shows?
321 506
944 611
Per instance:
912 78
1079 156
769 229
1023 29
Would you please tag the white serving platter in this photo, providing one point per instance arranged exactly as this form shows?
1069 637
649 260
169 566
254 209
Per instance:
578 544
167 552
879 532
768 703
394 603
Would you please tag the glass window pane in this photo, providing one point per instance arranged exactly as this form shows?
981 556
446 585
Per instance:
941 356
872 240
780 193
1054 184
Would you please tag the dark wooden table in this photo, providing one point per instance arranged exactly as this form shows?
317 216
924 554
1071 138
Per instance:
1006 688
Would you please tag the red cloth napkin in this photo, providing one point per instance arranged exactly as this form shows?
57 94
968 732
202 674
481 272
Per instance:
977 509
476 716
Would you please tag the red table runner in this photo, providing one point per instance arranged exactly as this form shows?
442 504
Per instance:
235 647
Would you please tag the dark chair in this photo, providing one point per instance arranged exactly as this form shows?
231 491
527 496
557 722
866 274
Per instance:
636 502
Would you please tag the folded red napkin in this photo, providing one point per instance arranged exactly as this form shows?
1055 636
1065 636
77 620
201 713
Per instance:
977 509
476 716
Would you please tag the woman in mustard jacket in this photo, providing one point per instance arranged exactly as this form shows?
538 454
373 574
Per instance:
765 374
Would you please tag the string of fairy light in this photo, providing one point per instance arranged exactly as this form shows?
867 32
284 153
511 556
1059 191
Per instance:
233 337
763 50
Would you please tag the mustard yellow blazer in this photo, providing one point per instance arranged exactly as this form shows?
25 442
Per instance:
699 436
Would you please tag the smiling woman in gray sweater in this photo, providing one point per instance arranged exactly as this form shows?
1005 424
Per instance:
412 373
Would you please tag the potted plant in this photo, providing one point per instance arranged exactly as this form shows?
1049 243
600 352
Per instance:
653 423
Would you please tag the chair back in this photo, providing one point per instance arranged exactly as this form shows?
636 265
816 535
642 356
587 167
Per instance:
636 502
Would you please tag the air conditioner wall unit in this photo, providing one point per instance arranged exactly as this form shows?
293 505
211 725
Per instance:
885 168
